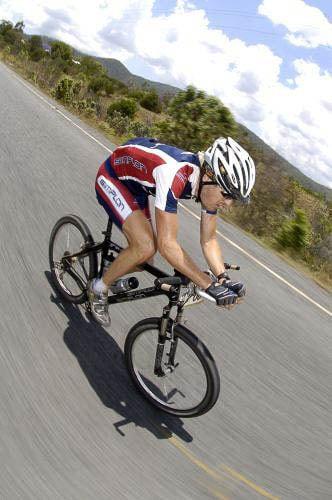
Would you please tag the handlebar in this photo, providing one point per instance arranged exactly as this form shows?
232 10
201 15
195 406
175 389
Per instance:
168 282
205 295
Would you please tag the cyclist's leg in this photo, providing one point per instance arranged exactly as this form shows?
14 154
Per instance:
144 205
141 247
129 213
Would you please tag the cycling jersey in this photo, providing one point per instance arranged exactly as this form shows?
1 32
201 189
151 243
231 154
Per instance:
143 167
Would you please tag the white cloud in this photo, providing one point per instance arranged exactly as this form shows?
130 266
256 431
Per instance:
294 118
81 24
299 121
307 25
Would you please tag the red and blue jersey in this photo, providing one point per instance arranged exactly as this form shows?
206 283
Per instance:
146 166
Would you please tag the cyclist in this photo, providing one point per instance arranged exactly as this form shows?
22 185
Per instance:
143 167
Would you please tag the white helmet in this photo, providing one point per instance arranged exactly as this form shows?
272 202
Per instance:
232 167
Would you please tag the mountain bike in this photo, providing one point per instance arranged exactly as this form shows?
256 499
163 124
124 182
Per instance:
167 362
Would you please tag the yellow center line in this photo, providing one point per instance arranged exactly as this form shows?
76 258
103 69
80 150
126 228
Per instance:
208 470
216 493
249 483
217 476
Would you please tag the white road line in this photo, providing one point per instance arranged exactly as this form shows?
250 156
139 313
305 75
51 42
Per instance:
263 265
185 208
60 112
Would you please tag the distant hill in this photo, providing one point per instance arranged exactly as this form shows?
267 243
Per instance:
272 158
116 69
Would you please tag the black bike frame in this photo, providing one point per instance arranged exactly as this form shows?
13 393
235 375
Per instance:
107 247
171 290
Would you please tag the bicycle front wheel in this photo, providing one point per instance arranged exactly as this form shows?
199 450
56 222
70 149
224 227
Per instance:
70 275
188 383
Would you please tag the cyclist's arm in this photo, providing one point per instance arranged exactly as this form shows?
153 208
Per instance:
169 248
209 243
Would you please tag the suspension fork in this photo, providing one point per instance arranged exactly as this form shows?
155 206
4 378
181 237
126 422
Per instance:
164 326
174 339
167 325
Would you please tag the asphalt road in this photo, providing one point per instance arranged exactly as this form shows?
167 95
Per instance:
71 424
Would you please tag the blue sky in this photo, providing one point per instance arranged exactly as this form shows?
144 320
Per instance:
269 61
239 18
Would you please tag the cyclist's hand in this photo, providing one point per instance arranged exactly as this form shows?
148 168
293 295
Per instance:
223 295
236 287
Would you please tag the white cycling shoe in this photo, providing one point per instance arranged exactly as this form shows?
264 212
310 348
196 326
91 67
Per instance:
99 305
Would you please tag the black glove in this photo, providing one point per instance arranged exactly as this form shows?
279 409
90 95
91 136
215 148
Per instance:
236 286
223 295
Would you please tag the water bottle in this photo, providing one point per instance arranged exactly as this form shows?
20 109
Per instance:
124 284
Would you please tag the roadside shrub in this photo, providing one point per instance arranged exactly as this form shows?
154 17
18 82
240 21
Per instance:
135 93
86 106
66 89
101 84
125 106
139 129
33 75
295 233
119 123
150 100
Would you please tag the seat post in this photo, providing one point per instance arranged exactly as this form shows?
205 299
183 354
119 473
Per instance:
109 228
106 245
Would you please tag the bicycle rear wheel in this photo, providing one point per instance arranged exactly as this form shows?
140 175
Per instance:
187 389
70 275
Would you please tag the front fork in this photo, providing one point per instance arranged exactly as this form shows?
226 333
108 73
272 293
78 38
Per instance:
167 326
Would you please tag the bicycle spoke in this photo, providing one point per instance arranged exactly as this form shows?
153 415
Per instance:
72 272
81 263
183 385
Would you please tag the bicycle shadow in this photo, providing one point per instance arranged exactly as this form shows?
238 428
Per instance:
101 360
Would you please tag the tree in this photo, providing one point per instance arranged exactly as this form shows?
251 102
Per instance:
91 67
61 50
19 26
36 51
150 100
11 35
5 26
196 120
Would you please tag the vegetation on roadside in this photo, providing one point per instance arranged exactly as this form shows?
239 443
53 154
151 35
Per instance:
292 219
